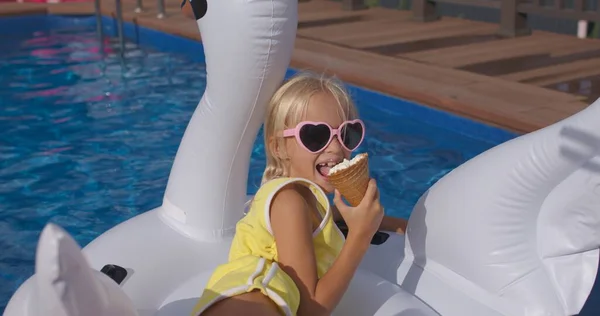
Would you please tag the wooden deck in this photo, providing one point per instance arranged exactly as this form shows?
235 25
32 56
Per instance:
452 64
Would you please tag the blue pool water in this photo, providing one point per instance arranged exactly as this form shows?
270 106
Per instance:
87 141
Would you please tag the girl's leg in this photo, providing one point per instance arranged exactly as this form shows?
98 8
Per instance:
249 304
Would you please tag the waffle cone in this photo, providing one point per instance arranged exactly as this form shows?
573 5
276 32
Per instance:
352 182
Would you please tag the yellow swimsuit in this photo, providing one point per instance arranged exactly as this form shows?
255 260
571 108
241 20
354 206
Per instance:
253 255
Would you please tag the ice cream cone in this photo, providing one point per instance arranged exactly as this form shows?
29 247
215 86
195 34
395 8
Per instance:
351 179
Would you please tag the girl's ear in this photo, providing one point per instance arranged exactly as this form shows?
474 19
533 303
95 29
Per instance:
274 146
277 148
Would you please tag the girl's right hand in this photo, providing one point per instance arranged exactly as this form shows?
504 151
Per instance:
363 220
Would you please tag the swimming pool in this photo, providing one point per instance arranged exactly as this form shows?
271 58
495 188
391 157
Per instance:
87 140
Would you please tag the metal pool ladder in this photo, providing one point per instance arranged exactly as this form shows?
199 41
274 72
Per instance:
99 30
99 27
119 12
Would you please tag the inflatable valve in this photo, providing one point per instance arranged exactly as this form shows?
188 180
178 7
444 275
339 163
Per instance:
115 272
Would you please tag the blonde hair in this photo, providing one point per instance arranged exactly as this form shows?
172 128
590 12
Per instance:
287 107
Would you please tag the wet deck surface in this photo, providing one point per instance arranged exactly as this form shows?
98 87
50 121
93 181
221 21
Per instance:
461 66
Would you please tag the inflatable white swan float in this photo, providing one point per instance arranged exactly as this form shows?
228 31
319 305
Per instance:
514 231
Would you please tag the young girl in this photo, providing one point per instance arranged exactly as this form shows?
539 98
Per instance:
288 257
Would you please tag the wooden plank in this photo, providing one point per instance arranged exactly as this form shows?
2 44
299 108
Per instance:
432 43
520 95
575 47
388 32
558 73
490 100
550 115
328 15
412 34
384 13
16 9
483 52
467 50
312 6
378 32
329 53
75 8
526 62
338 32
474 3
306 13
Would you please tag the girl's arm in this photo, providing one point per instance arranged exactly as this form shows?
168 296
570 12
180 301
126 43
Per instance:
389 223
292 228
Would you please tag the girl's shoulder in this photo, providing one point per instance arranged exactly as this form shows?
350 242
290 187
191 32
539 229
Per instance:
280 191
273 186
270 188
292 189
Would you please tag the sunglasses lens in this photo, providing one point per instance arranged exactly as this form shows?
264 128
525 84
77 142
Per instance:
352 134
314 137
